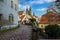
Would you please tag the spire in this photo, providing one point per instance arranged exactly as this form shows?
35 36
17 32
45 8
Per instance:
26 10
30 8
30 11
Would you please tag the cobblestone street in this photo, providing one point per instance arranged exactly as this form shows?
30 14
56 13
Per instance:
22 33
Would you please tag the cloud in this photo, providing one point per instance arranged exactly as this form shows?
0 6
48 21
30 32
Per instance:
50 0
29 3
20 5
23 7
42 9
39 1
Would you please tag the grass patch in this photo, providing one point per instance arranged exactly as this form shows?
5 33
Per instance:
10 29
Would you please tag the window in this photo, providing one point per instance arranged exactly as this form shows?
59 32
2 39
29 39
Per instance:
11 4
15 7
41 25
58 3
11 18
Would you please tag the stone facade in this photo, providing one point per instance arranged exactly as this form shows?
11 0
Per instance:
9 11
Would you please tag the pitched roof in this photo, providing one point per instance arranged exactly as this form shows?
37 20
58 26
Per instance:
48 18
20 12
50 13
36 17
22 16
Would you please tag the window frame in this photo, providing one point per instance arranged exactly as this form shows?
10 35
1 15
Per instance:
15 7
11 4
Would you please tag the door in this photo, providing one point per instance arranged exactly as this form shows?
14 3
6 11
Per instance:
11 18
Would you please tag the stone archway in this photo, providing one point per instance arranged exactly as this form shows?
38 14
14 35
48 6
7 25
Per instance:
11 18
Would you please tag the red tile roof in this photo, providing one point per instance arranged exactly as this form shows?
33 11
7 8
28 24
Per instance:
36 16
50 18
20 12
22 16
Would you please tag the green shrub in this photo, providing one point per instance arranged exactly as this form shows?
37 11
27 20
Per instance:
32 21
10 29
52 30
39 30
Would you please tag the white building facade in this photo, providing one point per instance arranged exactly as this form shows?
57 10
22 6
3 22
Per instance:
9 11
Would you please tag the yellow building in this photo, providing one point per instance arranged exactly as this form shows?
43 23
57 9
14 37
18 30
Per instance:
52 16
49 18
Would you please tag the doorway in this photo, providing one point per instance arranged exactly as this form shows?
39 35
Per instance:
11 18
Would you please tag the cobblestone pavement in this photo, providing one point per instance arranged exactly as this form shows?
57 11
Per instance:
41 38
22 33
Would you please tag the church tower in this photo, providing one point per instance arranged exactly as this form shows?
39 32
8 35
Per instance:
26 10
29 11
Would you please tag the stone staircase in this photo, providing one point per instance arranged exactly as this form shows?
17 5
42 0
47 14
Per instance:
4 22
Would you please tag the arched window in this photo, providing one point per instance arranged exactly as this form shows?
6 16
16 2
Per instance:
41 25
11 18
11 4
